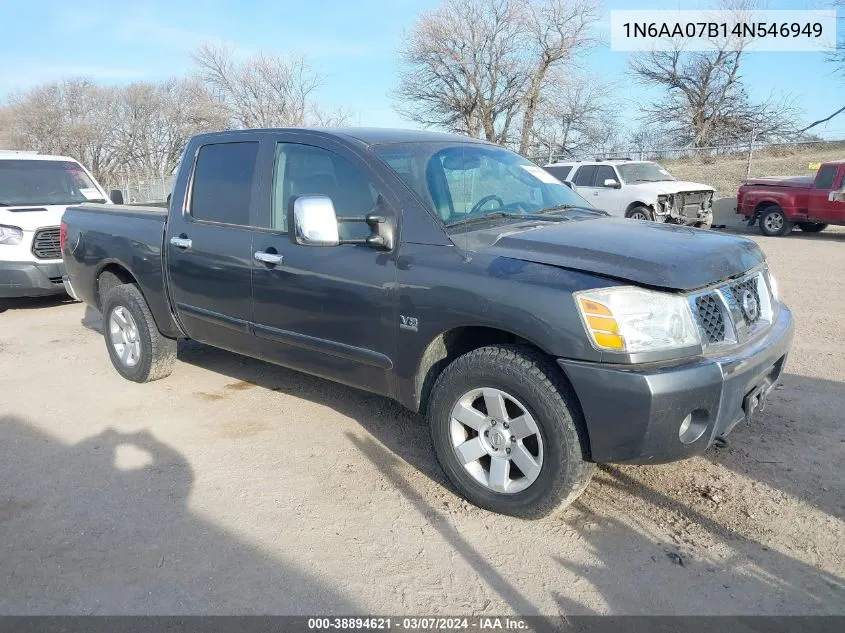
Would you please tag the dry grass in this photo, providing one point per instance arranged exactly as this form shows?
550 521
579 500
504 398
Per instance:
726 173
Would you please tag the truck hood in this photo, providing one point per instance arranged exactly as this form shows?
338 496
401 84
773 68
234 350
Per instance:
669 186
773 181
645 253
32 218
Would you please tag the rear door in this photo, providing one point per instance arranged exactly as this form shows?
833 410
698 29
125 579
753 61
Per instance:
329 311
582 180
209 243
820 207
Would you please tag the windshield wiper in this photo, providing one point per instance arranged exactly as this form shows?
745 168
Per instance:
490 216
3 203
558 207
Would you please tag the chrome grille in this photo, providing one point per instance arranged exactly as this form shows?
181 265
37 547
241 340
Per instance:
710 318
733 312
739 291
45 244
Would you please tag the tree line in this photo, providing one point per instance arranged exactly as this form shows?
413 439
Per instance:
510 71
143 127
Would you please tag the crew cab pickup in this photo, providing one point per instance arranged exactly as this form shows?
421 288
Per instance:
779 204
35 190
538 335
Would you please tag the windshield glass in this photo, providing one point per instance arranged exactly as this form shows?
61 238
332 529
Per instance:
643 172
43 182
467 180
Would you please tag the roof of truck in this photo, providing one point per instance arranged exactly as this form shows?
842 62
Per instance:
6 154
371 135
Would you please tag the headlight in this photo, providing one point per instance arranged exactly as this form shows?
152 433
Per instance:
634 320
10 235
773 286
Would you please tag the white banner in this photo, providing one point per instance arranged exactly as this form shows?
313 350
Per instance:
705 30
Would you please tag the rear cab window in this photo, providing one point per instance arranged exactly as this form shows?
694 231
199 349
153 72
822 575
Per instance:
585 176
221 191
824 179
559 171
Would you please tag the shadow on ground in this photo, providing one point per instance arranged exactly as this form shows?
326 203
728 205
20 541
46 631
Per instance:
106 528
625 543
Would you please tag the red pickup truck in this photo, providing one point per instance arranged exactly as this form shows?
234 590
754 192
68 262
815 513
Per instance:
778 204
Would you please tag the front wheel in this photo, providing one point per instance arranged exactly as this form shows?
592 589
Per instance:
640 213
137 349
508 431
773 222
811 227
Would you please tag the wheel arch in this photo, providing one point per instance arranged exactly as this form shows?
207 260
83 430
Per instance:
109 274
638 203
453 343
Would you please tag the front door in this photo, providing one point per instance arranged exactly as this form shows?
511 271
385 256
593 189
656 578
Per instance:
329 311
820 207
209 244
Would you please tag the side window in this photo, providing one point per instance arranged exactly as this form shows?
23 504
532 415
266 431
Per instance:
584 177
222 187
303 169
824 180
605 172
558 171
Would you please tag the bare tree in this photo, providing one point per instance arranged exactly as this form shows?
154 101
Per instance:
155 121
837 58
464 69
75 117
557 29
480 67
575 116
263 90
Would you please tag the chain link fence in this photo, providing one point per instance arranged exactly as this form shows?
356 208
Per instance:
142 189
725 167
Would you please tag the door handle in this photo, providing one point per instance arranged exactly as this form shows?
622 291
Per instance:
268 258
180 242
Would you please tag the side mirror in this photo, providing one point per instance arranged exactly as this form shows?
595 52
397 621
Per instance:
116 196
612 183
312 221
837 196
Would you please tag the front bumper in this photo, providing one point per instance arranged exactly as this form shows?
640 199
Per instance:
634 413
30 279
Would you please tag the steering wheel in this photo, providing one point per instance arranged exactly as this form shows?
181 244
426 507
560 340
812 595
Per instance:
477 206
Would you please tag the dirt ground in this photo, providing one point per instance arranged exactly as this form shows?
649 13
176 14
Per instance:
239 487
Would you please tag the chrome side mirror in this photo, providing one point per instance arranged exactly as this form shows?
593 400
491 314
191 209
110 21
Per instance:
837 196
313 222
612 183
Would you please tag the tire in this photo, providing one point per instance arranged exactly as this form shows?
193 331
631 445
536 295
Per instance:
773 222
811 227
153 354
531 384
640 213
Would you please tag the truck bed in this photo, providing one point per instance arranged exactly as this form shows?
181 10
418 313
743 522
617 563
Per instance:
804 182
126 210
131 237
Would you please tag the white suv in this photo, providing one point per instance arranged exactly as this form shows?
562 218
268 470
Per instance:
35 190
641 190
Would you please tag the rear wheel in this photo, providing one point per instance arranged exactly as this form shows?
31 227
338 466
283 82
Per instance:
640 213
811 227
137 349
505 427
773 222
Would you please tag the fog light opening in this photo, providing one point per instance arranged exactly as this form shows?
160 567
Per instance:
693 426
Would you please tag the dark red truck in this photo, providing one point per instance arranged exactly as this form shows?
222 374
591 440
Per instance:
779 204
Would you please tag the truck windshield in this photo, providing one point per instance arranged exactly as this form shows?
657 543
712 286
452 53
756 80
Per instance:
44 182
643 172
464 181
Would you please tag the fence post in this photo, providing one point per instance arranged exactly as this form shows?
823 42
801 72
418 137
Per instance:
750 154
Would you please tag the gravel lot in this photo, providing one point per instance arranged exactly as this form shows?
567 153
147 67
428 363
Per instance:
239 487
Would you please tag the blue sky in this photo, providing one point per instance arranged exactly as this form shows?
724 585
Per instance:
353 43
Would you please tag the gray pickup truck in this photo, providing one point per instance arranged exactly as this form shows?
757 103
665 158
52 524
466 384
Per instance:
537 335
